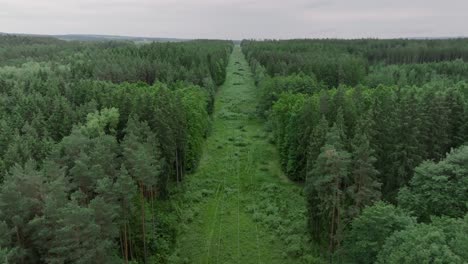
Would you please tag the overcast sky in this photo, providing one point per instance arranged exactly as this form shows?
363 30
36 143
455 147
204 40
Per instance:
238 19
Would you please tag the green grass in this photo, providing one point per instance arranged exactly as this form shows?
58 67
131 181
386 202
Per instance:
238 207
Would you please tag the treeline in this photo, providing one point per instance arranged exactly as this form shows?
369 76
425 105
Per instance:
348 62
199 62
331 64
358 144
163 62
417 74
86 161
16 50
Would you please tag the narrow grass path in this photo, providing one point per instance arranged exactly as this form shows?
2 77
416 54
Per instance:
219 204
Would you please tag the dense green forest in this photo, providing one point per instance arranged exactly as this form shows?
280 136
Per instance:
377 132
324 151
91 137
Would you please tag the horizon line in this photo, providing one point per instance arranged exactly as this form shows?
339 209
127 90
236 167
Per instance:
232 39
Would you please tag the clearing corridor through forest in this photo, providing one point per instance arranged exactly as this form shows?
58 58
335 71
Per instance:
238 207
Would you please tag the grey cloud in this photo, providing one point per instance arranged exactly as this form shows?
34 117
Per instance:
316 4
237 19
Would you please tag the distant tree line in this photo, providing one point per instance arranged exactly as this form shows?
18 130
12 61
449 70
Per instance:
348 62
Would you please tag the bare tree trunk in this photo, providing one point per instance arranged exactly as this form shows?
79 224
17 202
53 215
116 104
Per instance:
183 169
358 194
18 237
332 230
121 243
152 211
125 242
338 222
143 229
130 244
177 165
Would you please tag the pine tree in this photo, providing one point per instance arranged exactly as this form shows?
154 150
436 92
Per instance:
77 237
20 202
142 159
458 118
436 129
407 151
317 140
57 190
125 190
329 177
342 129
365 187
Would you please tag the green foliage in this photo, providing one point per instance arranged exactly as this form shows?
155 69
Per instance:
438 189
194 101
270 89
420 243
20 202
141 156
93 135
238 206
275 210
101 122
416 74
285 121
455 230
90 139
3 255
393 103
365 187
331 64
80 235
327 179
317 141
370 230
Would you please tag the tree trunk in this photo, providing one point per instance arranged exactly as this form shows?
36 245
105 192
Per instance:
358 194
332 230
339 187
125 242
130 244
143 229
152 211
181 165
121 243
177 165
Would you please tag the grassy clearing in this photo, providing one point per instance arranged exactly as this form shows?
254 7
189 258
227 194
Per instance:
238 207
